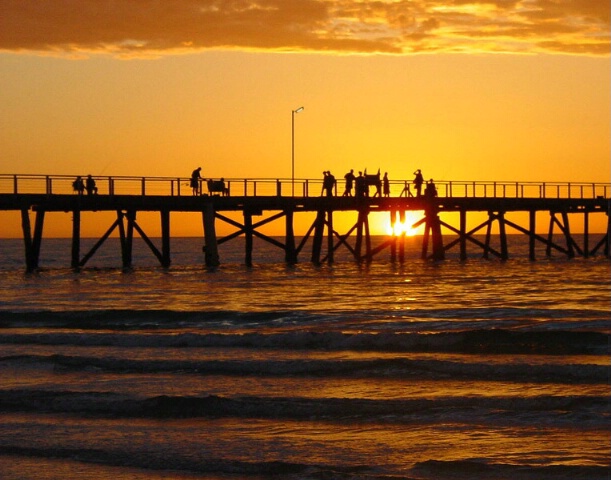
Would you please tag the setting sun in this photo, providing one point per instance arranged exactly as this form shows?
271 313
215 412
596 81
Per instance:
405 227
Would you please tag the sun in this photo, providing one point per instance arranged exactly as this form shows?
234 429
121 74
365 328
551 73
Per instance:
405 227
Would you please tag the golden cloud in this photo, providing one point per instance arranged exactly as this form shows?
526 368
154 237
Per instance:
149 27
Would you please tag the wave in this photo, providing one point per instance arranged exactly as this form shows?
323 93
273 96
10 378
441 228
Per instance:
489 341
577 412
468 469
206 464
117 318
400 368
172 464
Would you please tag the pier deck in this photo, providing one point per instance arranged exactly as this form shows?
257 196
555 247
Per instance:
255 197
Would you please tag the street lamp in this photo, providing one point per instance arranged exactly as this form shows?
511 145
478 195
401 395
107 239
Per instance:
293 112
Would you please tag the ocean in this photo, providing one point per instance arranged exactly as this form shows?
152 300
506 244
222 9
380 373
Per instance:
476 369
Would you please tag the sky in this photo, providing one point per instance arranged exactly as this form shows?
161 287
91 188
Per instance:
495 90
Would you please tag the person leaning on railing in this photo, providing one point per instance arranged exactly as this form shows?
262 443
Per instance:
90 186
78 185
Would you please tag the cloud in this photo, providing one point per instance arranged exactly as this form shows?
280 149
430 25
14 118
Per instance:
155 27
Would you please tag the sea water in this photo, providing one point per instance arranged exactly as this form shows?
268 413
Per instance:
413 370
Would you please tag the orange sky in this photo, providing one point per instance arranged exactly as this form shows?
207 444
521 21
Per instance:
465 90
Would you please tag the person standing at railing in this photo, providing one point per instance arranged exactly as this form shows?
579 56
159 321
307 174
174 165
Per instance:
360 187
328 183
430 191
418 181
386 185
90 185
349 183
195 180
332 188
78 186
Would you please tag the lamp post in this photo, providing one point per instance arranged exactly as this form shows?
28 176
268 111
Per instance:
293 112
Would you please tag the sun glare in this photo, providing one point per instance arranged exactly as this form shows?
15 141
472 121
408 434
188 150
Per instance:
406 227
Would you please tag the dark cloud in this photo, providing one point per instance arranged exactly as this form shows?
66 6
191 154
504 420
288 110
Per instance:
155 27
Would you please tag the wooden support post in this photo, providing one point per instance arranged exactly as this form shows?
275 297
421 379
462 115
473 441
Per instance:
318 234
425 240
432 227
550 235
76 238
532 234
30 262
165 238
367 238
608 240
393 244
126 237
567 235
488 234
503 235
37 240
129 239
32 242
463 235
100 242
330 248
211 253
358 246
402 238
149 243
438 251
290 253
248 238
586 234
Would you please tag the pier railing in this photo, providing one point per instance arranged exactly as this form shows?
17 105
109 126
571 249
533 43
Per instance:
250 187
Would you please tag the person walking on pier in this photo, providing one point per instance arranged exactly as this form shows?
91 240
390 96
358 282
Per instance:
418 181
386 185
349 183
195 180
90 185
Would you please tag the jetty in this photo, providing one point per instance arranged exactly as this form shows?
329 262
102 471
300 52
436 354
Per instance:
258 202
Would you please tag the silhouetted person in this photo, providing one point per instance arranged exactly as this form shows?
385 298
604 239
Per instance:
418 181
349 182
332 184
78 185
224 189
360 187
430 191
328 183
386 185
195 179
90 185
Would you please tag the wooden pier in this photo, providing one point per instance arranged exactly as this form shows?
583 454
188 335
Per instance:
270 198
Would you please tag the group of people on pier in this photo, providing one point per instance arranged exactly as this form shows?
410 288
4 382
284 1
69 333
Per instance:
361 183
80 186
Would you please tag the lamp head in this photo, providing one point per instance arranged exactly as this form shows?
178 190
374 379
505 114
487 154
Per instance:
300 109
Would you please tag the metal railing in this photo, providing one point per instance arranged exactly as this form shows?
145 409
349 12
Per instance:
249 187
